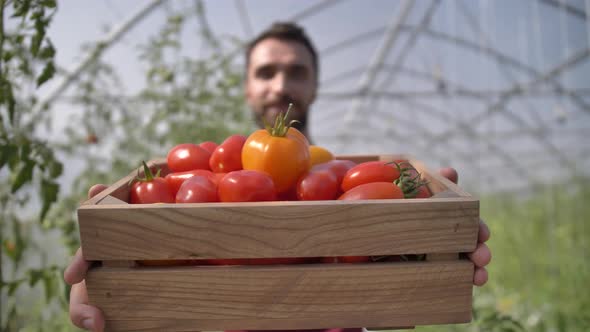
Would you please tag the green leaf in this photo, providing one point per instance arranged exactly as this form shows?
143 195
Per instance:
7 152
34 277
55 169
47 73
47 52
49 3
21 8
36 40
49 191
24 175
50 286
13 286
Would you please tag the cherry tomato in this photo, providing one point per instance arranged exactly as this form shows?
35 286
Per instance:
317 185
150 189
176 179
187 157
209 146
373 190
319 155
246 186
354 259
423 192
197 189
338 167
371 171
275 261
227 157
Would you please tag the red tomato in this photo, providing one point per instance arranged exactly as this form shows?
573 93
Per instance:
423 192
227 157
373 190
328 260
275 261
246 186
197 189
187 157
371 171
209 146
176 179
289 195
217 177
150 189
317 185
338 167
228 261
354 259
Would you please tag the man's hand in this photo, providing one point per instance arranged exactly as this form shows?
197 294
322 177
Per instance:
83 315
482 255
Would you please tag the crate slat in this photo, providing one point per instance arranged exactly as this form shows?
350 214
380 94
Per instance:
275 229
284 297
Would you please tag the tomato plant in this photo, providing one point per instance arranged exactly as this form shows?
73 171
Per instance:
176 179
187 157
371 171
246 186
197 189
150 189
373 190
280 151
317 185
227 157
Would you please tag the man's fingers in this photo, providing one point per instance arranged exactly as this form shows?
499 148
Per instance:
95 190
484 232
76 271
481 256
480 277
450 173
83 315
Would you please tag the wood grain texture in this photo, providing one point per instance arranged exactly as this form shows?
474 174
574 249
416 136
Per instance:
283 297
278 229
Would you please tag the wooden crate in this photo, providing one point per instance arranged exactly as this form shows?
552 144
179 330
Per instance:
191 298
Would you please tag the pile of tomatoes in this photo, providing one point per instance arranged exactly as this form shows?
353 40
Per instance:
272 164
234 172
276 163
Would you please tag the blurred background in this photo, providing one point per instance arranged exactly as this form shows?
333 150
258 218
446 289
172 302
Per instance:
500 90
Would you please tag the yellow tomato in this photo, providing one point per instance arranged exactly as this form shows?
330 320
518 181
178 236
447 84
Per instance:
280 151
319 155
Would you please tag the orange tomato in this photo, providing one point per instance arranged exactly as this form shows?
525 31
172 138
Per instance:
319 155
280 151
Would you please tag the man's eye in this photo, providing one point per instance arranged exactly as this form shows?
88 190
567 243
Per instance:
265 73
298 73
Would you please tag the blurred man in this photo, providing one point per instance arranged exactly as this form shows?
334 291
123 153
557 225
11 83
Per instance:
281 68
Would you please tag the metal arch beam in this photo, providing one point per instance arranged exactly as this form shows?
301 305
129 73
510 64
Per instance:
390 37
495 54
312 10
411 41
574 11
501 153
244 18
517 89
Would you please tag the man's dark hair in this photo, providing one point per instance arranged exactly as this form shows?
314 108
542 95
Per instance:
285 31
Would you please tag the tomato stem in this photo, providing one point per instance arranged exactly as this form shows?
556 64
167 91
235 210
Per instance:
281 127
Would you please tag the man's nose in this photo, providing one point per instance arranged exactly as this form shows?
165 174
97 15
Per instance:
280 84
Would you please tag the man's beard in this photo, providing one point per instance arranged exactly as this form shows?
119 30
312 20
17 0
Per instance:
263 115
